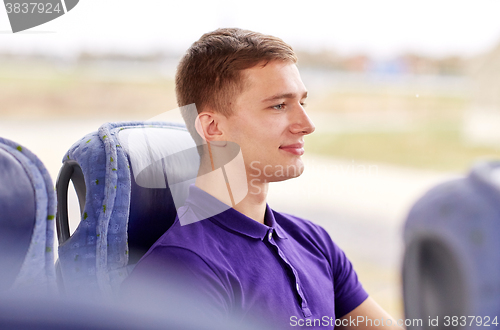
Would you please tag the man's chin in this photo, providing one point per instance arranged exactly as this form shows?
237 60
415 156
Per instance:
286 175
279 179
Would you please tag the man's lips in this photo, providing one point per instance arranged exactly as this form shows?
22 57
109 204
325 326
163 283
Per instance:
296 148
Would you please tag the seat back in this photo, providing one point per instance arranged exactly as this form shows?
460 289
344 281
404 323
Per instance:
27 211
451 263
127 184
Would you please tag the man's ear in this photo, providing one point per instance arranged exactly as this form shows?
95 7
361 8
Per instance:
207 126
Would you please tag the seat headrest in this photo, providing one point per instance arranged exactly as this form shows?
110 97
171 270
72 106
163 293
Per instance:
124 171
451 255
17 217
27 209
159 157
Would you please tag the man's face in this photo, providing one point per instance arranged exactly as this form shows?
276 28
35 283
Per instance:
269 121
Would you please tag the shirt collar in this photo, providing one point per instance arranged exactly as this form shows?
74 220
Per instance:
230 218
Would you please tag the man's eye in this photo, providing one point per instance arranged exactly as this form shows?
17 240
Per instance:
279 106
303 104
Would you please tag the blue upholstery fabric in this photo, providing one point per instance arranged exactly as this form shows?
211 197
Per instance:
29 194
17 217
95 259
452 248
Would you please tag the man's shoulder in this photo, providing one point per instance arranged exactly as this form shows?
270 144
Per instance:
294 223
306 233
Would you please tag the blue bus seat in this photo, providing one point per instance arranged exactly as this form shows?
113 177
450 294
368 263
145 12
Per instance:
122 213
27 212
451 265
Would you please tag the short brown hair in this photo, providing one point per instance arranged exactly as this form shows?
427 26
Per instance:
209 74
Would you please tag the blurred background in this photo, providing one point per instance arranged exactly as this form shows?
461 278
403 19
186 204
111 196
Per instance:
404 96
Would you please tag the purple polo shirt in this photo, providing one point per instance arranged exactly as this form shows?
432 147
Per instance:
284 270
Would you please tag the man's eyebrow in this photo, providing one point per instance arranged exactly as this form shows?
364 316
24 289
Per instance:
284 96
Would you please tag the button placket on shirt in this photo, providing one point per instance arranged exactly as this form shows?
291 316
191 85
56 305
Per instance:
305 309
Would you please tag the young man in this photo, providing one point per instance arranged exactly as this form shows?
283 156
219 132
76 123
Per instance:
250 260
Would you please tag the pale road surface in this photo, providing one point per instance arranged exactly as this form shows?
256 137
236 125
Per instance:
362 205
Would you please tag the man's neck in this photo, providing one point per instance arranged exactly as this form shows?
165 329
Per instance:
216 183
254 204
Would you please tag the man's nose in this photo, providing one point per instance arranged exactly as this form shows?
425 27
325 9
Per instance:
301 122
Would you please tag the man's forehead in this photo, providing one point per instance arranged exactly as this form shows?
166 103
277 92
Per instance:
264 69
276 79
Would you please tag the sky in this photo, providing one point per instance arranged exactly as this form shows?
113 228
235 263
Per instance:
380 28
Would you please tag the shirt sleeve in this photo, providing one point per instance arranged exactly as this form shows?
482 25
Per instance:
175 276
349 293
